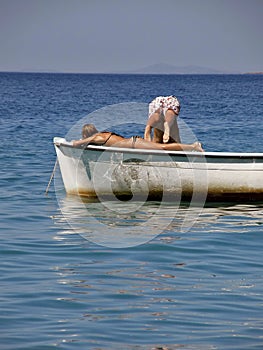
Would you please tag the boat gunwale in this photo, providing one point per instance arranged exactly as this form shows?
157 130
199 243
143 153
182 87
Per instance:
235 155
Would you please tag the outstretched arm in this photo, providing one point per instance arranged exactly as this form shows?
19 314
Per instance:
83 141
98 139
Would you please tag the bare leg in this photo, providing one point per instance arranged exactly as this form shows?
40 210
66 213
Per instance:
196 146
141 143
175 134
171 127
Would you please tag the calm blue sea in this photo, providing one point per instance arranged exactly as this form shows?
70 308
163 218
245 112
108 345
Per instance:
197 284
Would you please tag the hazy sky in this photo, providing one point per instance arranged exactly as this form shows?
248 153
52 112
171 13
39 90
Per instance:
112 35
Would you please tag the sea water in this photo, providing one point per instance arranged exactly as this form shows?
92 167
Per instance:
196 283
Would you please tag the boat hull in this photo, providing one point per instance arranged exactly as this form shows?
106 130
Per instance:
159 175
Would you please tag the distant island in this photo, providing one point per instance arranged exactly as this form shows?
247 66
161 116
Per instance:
158 68
164 68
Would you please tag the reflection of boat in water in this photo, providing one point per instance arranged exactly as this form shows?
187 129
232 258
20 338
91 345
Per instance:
153 174
112 224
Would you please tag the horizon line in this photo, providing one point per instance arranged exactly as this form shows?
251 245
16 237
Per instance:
127 73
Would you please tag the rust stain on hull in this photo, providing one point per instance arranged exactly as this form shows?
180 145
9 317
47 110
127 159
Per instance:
211 196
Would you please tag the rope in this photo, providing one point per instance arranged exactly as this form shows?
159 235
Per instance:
51 177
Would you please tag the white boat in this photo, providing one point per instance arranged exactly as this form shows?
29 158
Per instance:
99 171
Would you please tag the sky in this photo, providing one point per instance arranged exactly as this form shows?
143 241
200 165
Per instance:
97 36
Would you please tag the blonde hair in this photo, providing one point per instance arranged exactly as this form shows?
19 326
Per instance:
88 130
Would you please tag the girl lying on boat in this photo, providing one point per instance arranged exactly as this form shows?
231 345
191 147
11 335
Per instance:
91 136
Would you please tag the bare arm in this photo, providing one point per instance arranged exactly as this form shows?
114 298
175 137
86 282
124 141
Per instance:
147 133
152 122
97 138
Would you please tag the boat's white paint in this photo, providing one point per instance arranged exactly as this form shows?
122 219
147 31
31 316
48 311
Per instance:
105 171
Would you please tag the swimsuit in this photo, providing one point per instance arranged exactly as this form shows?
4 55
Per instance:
134 139
164 103
104 143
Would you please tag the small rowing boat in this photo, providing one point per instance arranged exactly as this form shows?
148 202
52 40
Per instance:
103 172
